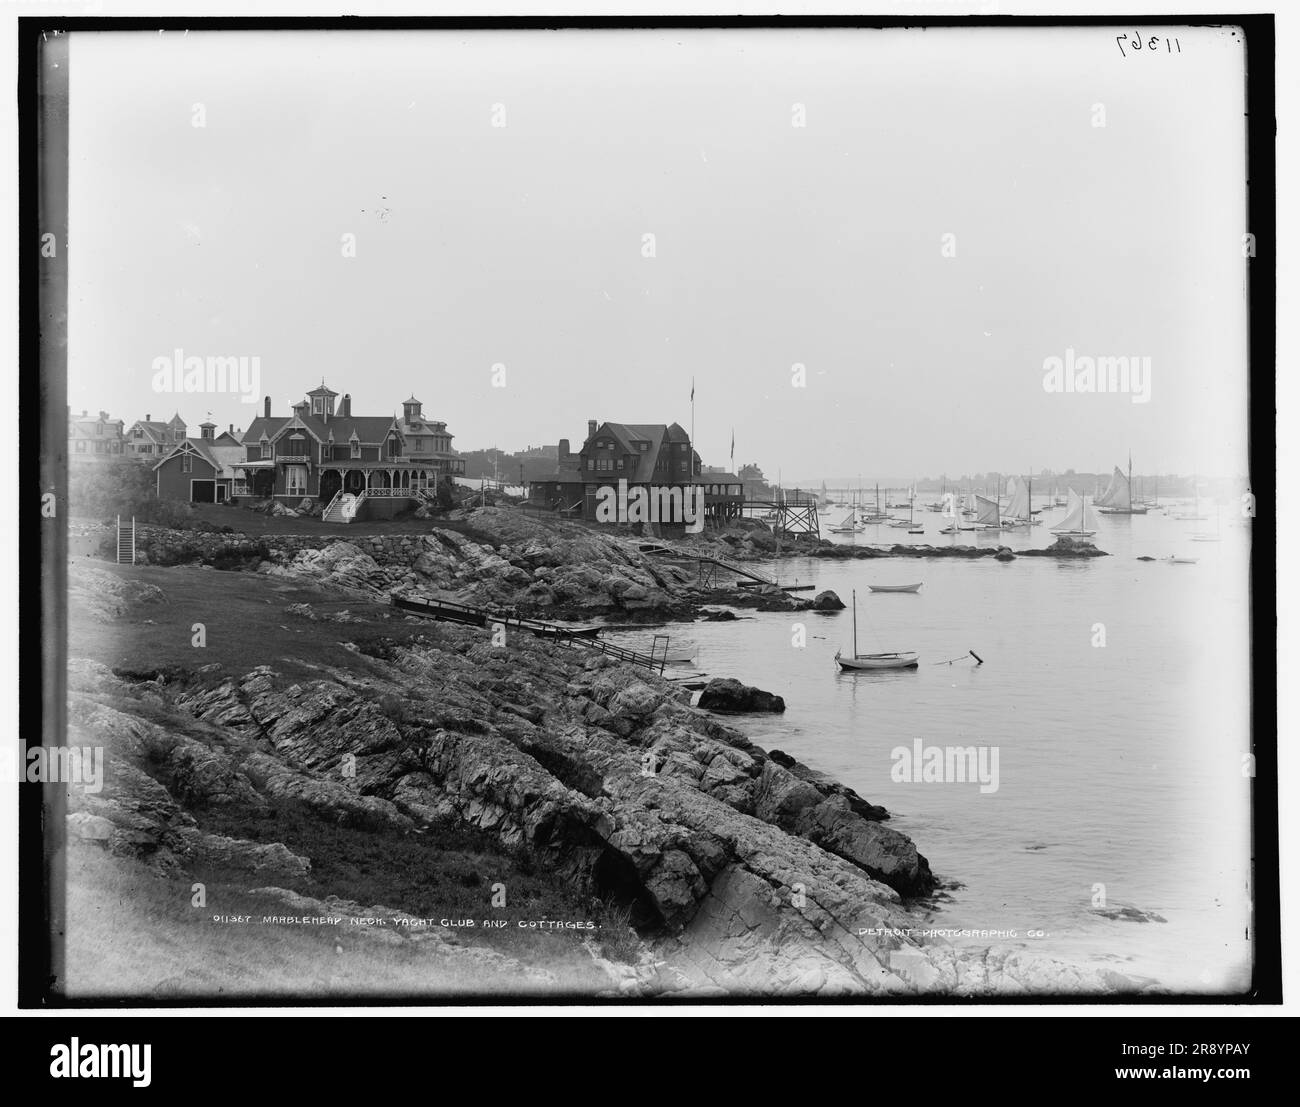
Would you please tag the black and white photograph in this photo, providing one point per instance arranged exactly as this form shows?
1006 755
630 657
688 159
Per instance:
651 512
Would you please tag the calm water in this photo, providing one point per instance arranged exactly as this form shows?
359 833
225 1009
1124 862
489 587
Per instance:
1119 765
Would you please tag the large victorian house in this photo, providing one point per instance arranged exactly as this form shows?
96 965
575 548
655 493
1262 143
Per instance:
319 452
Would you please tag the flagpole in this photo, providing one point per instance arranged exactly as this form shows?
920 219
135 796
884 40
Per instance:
691 460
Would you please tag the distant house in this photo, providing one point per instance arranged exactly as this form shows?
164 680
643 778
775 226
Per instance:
643 454
150 440
198 469
428 445
94 439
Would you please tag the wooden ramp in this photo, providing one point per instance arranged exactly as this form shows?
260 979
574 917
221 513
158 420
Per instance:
571 637
751 576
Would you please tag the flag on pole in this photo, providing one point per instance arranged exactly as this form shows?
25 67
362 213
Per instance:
733 449
692 390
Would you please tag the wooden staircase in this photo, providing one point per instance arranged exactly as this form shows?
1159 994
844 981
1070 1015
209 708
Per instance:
125 542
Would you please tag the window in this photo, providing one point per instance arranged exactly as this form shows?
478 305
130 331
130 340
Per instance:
318 405
81 446
356 448
620 463
137 433
324 453
187 463
297 477
264 450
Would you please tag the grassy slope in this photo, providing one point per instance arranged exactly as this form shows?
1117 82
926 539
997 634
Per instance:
135 933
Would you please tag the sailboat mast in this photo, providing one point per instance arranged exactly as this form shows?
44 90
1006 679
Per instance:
855 622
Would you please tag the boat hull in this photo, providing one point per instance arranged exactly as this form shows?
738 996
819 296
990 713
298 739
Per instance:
896 587
877 662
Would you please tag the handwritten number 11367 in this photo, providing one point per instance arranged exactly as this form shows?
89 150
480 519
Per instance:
1135 43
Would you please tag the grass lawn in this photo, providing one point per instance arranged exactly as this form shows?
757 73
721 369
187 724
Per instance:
245 622
257 523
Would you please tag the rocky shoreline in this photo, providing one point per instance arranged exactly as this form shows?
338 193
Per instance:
743 871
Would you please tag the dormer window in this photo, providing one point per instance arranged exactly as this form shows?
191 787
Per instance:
355 443
265 447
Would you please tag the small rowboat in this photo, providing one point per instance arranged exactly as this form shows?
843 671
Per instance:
896 587
1181 560
905 660
916 530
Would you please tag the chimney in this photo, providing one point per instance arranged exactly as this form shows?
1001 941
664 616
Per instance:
346 406
148 418
564 447
267 408
230 429
591 428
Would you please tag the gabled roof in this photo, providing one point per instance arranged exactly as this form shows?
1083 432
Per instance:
221 458
264 426
629 436
371 430
86 428
152 429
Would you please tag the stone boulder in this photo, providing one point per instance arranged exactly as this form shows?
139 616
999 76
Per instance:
726 694
827 601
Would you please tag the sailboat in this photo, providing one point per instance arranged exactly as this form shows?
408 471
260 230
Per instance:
906 659
1017 514
847 525
913 527
875 515
988 516
1079 521
1118 497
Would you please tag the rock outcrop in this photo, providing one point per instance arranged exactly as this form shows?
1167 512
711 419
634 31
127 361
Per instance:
725 694
827 601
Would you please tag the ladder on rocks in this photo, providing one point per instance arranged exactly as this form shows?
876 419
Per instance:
126 542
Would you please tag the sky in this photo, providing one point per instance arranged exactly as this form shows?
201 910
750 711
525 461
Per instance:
500 273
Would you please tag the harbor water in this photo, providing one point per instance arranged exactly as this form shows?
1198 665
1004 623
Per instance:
1115 693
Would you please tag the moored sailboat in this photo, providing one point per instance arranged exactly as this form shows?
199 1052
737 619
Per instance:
1079 521
1118 497
901 659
